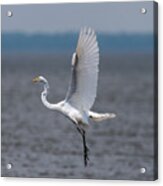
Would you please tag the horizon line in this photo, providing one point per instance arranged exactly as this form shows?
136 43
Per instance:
75 32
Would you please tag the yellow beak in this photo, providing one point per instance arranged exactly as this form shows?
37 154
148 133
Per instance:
36 79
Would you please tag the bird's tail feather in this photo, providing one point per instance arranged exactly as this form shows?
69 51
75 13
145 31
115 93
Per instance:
97 117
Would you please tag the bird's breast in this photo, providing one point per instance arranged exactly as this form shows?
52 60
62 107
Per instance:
74 114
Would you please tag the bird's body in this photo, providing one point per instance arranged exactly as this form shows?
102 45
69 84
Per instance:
83 85
72 113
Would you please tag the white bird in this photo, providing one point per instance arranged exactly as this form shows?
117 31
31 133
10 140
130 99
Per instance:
83 85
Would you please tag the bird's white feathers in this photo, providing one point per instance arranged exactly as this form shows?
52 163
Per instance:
82 90
100 116
85 62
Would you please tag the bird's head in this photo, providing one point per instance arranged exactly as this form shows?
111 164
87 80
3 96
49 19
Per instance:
39 79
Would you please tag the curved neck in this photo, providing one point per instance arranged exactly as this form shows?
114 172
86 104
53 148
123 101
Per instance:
44 97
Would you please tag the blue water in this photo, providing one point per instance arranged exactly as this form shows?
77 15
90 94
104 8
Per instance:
42 143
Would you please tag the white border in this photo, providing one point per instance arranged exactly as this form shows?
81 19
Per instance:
60 182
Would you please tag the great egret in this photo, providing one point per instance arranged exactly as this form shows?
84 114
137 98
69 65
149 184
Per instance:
82 90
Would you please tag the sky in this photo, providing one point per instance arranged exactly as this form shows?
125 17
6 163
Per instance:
124 17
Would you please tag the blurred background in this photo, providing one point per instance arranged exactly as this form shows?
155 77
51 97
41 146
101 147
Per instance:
40 40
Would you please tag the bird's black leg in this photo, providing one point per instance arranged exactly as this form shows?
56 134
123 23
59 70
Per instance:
85 148
86 158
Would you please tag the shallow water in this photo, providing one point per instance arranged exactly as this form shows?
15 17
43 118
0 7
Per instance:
42 143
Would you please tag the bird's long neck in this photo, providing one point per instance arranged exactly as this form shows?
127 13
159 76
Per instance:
44 97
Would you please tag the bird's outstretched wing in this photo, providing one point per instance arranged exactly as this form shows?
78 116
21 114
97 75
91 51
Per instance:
83 85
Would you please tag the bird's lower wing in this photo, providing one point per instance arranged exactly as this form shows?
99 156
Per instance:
82 89
97 117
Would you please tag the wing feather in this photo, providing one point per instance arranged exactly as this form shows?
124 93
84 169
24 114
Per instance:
83 85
